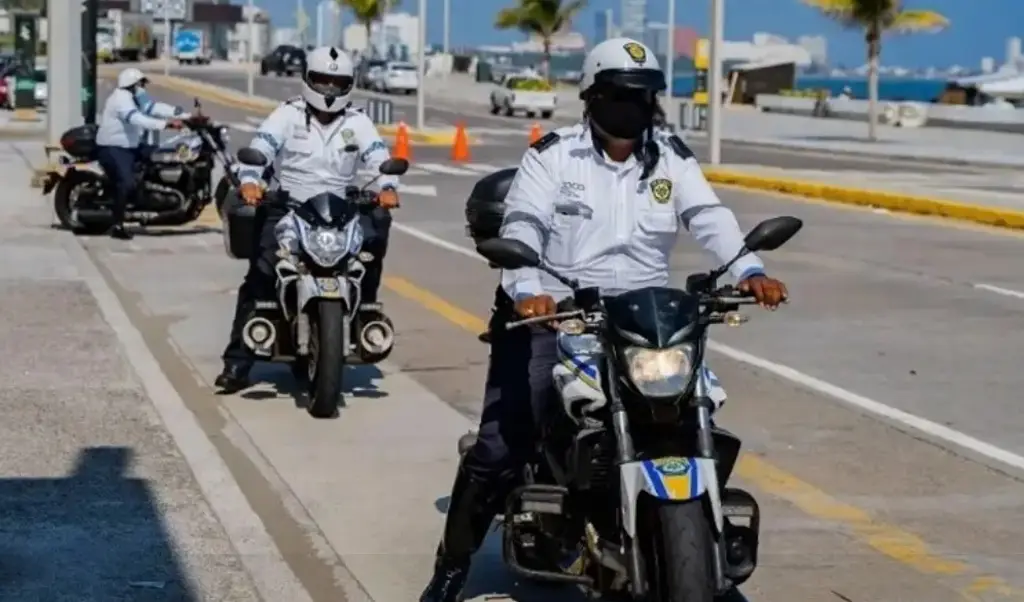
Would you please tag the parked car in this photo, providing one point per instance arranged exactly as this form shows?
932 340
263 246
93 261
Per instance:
366 71
528 94
400 78
284 60
42 88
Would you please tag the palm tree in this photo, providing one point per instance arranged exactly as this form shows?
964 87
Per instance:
874 18
543 18
369 11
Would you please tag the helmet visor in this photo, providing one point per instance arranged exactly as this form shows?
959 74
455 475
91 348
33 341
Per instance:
649 80
330 84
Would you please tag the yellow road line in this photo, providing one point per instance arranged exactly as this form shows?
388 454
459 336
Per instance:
889 540
1000 217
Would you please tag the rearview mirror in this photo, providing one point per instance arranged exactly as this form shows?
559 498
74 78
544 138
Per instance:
508 253
394 167
251 156
772 233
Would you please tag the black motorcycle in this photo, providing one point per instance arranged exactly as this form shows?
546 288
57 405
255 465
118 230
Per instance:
174 180
626 494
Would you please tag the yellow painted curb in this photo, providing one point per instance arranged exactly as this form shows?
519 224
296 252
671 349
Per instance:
237 100
893 201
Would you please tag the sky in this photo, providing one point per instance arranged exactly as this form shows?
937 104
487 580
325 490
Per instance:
978 28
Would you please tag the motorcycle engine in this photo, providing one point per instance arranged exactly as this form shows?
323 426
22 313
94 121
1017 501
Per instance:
170 175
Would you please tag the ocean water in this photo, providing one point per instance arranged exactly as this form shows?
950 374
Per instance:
898 89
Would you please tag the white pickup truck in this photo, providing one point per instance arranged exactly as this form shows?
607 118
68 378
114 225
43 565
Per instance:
527 94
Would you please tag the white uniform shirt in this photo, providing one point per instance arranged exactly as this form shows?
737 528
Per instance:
126 118
595 220
310 158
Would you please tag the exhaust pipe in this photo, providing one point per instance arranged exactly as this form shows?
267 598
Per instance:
377 338
259 334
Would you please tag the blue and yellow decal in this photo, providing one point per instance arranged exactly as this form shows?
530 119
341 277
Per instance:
583 368
673 478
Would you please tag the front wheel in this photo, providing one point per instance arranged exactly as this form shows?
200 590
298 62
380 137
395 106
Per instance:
680 545
328 340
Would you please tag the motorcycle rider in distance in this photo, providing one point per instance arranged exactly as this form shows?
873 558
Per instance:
308 141
127 114
601 202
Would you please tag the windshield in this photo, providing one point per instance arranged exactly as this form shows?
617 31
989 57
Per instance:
41 76
528 84
326 210
403 68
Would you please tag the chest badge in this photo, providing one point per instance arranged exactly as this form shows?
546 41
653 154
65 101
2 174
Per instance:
661 190
347 135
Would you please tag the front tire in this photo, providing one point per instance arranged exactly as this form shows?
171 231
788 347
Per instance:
329 334
679 562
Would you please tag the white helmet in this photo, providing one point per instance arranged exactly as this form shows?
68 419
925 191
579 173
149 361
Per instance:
328 80
622 62
129 77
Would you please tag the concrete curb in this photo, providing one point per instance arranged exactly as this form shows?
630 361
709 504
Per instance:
260 104
893 201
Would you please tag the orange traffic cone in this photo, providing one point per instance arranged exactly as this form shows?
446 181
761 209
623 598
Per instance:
401 150
535 133
460 149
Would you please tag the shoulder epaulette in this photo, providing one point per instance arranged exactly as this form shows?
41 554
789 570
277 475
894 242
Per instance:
545 142
679 147
293 100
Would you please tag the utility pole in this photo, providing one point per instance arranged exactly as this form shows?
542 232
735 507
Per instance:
671 114
421 64
64 64
715 82
447 26
250 66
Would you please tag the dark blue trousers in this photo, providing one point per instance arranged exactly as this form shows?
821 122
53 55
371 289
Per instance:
119 165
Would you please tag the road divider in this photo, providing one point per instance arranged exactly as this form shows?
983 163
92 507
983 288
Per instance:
893 201
259 104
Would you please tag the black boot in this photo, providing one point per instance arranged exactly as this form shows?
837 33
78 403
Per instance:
233 378
470 513
119 232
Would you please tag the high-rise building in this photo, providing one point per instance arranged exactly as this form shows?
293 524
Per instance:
633 18
656 37
1013 51
817 47
328 23
604 26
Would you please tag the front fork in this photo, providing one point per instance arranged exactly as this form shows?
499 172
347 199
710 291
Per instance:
705 449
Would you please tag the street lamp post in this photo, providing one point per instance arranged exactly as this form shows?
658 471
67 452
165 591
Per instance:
167 39
251 76
447 25
421 65
670 66
715 82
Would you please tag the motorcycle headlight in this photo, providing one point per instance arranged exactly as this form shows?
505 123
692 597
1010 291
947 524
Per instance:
325 247
660 372
224 134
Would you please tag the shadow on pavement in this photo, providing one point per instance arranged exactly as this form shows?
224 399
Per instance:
359 381
94 536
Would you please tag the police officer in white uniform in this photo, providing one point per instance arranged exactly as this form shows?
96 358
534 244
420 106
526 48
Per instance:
602 202
316 143
127 115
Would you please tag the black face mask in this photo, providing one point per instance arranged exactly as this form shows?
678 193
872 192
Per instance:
626 119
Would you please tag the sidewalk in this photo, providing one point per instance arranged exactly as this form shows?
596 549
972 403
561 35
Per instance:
841 136
96 501
993 198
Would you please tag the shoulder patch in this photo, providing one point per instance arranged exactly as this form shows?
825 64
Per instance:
679 147
294 100
545 142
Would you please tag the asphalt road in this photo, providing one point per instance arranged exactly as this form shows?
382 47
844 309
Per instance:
476 117
889 316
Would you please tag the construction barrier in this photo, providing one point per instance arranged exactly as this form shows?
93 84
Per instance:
380 111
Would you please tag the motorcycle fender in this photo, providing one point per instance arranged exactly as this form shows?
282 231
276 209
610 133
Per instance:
668 479
311 287
91 166
59 171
